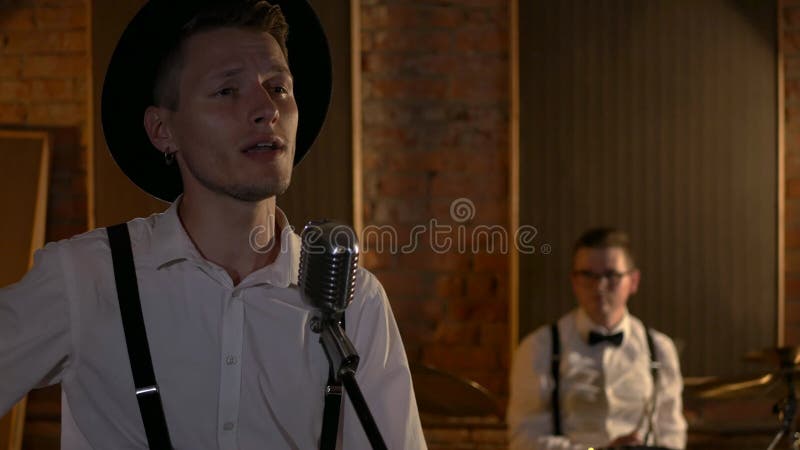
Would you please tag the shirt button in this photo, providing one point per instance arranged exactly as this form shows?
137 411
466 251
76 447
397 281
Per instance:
228 426
231 360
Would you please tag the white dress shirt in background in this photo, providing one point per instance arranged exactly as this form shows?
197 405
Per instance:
605 390
238 366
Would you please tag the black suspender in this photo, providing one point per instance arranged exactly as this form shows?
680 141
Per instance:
130 307
653 358
555 363
330 414
144 379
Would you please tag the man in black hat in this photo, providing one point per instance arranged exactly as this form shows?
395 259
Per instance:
194 335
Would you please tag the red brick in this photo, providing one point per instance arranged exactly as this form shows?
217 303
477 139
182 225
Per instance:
494 335
793 189
792 335
491 262
425 259
792 238
403 284
791 42
32 42
487 88
400 88
450 286
792 286
793 312
394 184
449 332
18 19
793 260
62 18
10 66
449 436
457 185
56 89
55 66
400 211
410 17
459 357
14 90
791 16
398 40
418 310
12 113
792 166
57 114
791 66
482 287
374 260
486 38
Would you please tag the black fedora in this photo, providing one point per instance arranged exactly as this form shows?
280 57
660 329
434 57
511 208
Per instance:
128 86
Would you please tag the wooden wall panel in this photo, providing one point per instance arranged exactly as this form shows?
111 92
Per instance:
660 117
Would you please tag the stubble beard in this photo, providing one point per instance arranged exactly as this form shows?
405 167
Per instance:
253 192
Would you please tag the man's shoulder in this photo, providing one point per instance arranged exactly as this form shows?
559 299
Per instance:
93 244
661 340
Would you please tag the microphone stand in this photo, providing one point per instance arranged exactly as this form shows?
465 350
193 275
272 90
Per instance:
787 411
344 359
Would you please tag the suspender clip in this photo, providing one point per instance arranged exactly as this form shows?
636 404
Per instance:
333 390
147 390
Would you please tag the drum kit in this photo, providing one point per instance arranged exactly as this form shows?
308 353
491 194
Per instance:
779 385
445 394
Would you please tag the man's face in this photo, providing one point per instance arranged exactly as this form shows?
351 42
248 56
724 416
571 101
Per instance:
602 282
236 122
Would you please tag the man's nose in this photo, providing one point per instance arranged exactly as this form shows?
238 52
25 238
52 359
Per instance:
265 110
603 283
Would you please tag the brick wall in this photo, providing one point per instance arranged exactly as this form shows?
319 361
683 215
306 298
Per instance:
435 120
790 17
43 86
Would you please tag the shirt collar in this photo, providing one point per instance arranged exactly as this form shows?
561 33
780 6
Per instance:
584 325
170 244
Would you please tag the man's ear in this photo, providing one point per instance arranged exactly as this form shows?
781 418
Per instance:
157 127
635 277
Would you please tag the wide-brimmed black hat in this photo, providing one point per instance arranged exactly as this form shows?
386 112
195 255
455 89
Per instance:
128 87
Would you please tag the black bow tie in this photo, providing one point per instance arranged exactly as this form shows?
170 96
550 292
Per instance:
613 339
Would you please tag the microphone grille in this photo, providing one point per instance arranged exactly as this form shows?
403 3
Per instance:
328 265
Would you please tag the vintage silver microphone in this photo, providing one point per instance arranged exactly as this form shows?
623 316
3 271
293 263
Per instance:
327 280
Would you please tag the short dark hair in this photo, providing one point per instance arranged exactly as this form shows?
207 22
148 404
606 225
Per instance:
258 15
605 237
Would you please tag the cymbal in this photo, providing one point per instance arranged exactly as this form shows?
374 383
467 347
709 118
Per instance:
445 394
770 385
778 356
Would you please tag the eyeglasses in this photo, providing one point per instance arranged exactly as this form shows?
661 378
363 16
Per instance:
589 278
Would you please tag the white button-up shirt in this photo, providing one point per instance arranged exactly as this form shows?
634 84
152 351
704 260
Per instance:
605 391
237 366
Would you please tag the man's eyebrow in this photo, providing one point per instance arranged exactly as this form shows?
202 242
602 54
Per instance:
227 73
232 72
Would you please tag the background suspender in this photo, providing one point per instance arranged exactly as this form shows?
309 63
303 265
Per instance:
130 307
555 362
